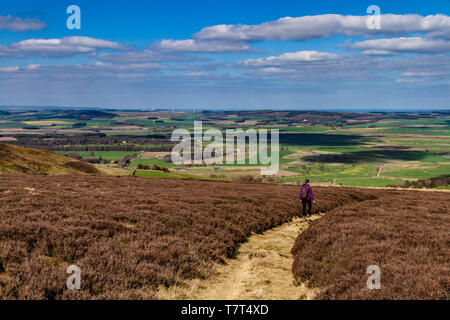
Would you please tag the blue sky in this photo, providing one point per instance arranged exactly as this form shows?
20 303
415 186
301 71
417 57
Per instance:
226 54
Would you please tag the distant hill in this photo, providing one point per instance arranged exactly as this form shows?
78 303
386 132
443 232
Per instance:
26 160
83 114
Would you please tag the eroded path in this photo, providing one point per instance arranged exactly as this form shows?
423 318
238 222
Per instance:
261 270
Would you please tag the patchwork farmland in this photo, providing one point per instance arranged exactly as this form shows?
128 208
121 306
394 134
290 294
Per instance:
377 149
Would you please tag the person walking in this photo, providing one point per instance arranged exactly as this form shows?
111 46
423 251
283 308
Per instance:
307 197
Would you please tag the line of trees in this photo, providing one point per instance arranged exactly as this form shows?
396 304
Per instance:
154 167
99 142
125 147
442 181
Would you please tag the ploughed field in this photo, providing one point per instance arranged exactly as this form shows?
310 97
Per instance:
130 235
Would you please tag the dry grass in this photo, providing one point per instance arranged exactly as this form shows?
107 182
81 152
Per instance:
25 160
112 171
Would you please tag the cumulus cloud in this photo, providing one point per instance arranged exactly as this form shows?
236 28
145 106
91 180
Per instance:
306 66
377 52
141 56
290 58
326 25
191 45
236 38
66 46
11 23
403 44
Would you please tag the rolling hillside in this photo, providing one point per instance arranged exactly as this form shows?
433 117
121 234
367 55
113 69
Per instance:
25 160
136 238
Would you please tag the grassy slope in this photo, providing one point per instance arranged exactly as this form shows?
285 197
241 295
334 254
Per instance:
112 171
25 160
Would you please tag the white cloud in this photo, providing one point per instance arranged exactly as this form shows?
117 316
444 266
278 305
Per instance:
191 45
376 52
273 71
409 80
421 76
141 56
9 69
327 25
290 58
29 67
299 66
19 25
95 70
33 66
424 74
58 47
403 44
126 67
197 74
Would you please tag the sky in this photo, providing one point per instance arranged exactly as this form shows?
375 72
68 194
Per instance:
315 55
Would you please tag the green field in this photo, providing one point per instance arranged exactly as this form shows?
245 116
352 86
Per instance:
172 175
424 172
151 162
107 155
256 162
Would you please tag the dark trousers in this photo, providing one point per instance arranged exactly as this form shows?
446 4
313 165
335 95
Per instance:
304 203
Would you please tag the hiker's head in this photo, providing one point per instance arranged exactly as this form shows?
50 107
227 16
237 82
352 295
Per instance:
306 181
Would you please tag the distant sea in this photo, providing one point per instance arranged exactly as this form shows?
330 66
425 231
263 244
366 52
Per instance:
192 109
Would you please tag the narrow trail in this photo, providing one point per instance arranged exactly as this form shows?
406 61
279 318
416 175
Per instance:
261 270
379 170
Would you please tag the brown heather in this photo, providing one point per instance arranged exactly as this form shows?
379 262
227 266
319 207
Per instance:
405 233
131 235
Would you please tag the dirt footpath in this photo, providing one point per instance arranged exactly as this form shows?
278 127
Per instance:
261 270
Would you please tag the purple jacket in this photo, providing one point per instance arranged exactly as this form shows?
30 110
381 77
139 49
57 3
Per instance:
310 195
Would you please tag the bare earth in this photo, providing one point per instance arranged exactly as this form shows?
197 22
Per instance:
261 270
